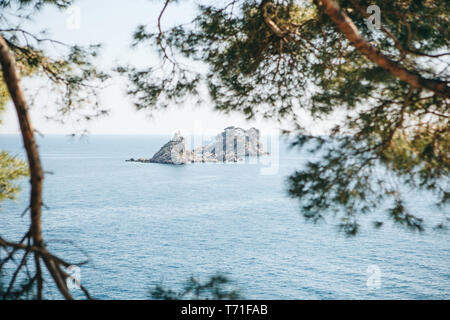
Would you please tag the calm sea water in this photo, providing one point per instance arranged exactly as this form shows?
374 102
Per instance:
146 224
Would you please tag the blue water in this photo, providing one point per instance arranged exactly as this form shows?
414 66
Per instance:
146 224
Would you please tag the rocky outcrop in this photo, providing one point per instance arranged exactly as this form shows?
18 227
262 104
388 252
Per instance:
232 145
173 152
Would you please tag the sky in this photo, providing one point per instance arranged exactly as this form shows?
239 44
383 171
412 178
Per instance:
111 23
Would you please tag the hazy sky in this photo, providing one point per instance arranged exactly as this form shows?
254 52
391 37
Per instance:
112 22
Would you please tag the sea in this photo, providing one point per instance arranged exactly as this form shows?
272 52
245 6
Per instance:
143 225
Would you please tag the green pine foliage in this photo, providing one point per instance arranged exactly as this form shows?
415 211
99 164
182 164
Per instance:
11 170
216 287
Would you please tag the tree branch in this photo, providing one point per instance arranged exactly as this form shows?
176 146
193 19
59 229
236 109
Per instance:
269 22
351 32
12 80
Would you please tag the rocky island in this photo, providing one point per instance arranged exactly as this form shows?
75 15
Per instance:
232 145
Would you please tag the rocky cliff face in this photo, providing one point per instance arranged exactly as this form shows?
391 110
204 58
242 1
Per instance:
173 152
232 145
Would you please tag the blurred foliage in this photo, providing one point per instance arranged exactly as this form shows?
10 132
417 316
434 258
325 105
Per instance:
305 64
11 169
4 96
66 72
216 288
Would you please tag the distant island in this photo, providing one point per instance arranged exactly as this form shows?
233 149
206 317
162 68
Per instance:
232 145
